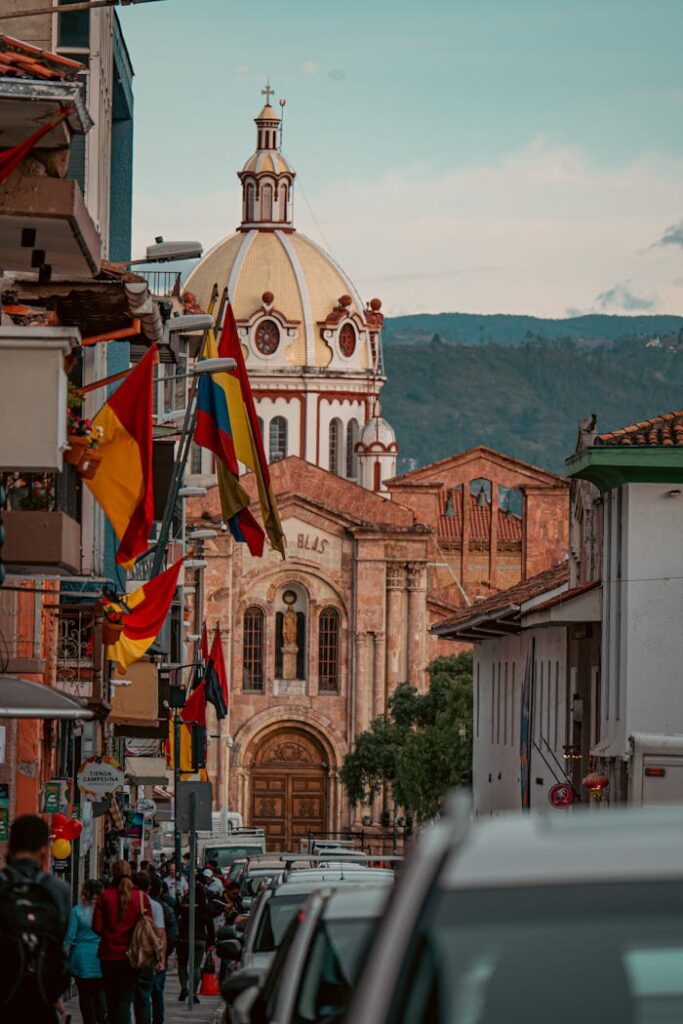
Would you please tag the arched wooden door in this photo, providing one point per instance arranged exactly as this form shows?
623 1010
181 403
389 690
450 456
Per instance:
289 788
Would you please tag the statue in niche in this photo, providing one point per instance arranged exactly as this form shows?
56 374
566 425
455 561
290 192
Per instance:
290 628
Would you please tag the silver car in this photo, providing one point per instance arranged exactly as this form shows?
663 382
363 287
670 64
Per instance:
554 919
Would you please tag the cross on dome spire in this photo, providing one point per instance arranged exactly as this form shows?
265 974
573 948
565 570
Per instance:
268 92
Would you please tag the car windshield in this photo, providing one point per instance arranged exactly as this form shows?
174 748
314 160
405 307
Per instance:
225 855
277 914
595 954
252 884
331 969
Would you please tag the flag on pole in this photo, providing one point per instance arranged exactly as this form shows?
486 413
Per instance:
122 485
149 605
216 679
199 671
214 431
246 437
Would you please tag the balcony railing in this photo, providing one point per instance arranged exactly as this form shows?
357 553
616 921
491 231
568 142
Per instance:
162 283
22 640
79 651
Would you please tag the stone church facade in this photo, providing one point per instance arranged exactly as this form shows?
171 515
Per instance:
316 644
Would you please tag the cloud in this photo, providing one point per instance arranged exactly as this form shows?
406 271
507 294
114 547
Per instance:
337 74
309 67
620 298
243 69
554 224
673 235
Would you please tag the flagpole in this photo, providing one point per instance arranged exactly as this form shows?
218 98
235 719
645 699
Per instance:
186 435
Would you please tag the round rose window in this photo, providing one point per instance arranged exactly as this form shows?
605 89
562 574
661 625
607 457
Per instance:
267 337
347 340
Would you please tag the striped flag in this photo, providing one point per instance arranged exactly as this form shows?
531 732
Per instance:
148 607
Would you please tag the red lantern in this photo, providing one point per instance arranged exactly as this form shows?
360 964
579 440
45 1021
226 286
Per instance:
72 828
596 783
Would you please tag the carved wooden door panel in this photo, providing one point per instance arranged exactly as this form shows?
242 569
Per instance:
289 791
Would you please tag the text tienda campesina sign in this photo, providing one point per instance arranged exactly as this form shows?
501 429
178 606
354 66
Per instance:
99 777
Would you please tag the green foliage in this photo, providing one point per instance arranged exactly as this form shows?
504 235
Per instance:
422 747
523 399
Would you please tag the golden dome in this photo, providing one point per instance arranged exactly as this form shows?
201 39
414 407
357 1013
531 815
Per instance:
267 162
306 286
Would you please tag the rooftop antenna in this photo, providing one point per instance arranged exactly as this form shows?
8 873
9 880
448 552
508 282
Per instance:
282 103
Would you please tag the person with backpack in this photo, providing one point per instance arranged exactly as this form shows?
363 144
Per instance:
204 936
123 919
34 912
84 963
144 987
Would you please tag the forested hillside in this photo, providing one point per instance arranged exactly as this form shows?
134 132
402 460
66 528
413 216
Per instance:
524 399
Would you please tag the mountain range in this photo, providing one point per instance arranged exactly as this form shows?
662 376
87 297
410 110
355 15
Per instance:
520 384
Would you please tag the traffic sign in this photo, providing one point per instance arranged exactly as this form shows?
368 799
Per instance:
561 795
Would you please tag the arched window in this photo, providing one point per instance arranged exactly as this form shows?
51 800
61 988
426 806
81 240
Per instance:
278 439
267 203
328 651
196 459
335 445
261 428
253 645
352 435
250 203
284 202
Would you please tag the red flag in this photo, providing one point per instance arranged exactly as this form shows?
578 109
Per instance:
195 707
219 664
148 607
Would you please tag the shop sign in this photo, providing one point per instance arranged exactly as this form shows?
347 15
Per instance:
4 824
4 794
561 795
52 802
99 777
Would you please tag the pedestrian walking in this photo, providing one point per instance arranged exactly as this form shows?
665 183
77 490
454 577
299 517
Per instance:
114 919
144 986
34 912
158 897
82 945
204 937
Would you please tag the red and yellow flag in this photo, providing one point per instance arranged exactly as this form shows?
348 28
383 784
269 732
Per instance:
123 482
149 605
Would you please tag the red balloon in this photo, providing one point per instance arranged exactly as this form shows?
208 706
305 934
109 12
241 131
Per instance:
58 821
72 829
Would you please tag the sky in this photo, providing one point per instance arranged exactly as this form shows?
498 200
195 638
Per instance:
482 156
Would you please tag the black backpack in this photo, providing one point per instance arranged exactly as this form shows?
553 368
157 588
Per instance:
32 958
171 926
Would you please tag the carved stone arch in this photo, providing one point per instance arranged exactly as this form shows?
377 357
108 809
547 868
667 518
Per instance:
296 715
303 578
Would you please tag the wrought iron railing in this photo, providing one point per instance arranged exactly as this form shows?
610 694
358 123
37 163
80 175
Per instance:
162 283
79 651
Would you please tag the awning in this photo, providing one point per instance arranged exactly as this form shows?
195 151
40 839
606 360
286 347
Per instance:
146 771
23 698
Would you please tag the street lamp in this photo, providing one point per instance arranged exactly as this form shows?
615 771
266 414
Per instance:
203 534
192 491
220 365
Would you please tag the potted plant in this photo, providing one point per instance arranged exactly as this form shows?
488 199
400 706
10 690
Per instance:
112 625
84 439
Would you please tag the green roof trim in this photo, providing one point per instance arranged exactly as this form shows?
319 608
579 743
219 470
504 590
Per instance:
608 468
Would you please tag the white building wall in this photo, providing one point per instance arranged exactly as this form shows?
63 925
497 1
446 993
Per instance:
643 587
499 667
343 411
268 408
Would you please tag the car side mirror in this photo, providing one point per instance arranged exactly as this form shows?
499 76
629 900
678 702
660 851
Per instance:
229 949
236 983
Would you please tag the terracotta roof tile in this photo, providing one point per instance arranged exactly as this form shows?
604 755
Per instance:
449 526
21 60
548 580
662 431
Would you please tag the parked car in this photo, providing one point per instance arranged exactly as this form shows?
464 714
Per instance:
528 919
316 979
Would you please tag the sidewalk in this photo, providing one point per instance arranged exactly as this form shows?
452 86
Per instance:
209 1010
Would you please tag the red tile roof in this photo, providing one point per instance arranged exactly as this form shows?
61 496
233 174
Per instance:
21 60
662 431
449 527
513 598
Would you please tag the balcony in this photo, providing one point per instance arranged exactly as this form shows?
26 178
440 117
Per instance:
45 539
162 284
22 640
80 653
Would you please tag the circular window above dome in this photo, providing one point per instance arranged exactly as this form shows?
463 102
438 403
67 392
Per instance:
347 340
267 337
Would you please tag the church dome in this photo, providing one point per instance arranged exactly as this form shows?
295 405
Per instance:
294 305
378 435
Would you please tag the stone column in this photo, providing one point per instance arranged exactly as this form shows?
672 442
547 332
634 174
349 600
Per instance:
379 681
493 537
394 625
361 692
417 624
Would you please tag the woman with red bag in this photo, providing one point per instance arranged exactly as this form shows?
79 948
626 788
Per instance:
114 919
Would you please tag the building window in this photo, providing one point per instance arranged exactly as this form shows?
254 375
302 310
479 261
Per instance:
352 436
267 337
196 459
278 439
252 649
250 203
73 30
347 340
284 202
328 651
267 202
335 445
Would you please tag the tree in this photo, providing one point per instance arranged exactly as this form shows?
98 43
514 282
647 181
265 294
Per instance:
422 747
